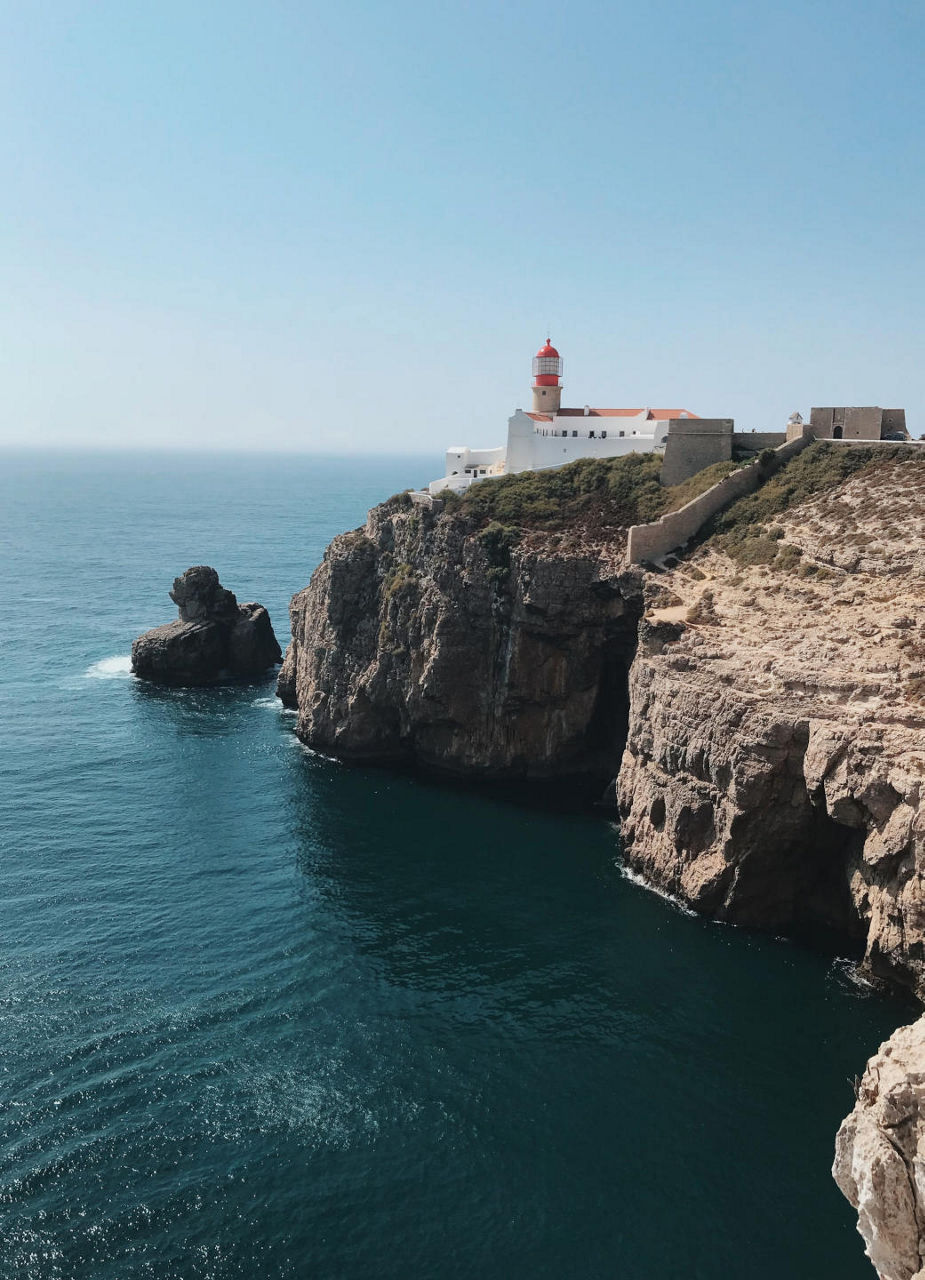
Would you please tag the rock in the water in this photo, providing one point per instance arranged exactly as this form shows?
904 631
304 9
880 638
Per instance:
214 638
880 1155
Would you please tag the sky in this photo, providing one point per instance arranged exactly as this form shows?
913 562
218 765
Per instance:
348 227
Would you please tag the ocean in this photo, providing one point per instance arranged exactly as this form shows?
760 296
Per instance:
265 1015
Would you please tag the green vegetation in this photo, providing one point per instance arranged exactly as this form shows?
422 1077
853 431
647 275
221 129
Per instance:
744 530
820 467
399 578
497 540
356 540
616 492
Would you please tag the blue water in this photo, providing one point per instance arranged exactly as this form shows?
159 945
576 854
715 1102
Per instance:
262 1015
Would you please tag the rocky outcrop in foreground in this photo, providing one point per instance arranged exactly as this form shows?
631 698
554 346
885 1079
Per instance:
213 639
880 1156
489 652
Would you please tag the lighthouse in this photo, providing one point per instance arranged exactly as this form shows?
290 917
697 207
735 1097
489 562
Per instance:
549 436
547 370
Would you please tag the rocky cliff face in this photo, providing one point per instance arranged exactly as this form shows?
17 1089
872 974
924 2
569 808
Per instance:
213 639
880 1156
425 639
774 727
773 776
776 746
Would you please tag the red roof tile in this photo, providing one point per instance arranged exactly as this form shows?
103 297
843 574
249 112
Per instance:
651 414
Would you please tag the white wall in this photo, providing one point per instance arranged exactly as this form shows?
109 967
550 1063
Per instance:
535 446
555 450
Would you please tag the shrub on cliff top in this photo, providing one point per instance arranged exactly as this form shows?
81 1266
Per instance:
821 467
616 492
740 530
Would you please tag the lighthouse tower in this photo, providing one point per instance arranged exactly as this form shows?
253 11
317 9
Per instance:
547 370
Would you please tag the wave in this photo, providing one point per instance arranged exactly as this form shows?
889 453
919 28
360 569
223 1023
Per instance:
641 882
310 751
118 667
849 975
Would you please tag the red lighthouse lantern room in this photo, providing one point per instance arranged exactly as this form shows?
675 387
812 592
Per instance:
547 366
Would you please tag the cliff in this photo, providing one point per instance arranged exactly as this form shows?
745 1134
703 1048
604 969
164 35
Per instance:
762 699
774 765
775 751
478 650
880 1156
491 638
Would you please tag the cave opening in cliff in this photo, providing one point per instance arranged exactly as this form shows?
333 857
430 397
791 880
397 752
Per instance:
816 869
608 726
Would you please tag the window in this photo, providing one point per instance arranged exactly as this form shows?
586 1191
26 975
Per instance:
622 434
574 433
603 435
590 435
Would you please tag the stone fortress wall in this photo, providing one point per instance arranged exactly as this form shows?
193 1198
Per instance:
695 443
651 541
746 444
858 422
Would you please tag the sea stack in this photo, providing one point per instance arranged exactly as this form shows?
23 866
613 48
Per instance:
214 638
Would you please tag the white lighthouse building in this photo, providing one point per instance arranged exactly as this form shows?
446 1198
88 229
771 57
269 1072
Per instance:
549 436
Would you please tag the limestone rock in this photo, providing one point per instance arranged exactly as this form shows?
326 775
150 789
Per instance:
772 777
214 638
880 1156
418 640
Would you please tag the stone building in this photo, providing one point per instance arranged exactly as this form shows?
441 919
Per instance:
869 422
548 435
693 445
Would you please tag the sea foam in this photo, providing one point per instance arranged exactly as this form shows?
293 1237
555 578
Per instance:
118 667
641 882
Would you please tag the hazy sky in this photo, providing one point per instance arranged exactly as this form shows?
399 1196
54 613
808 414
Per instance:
347 226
